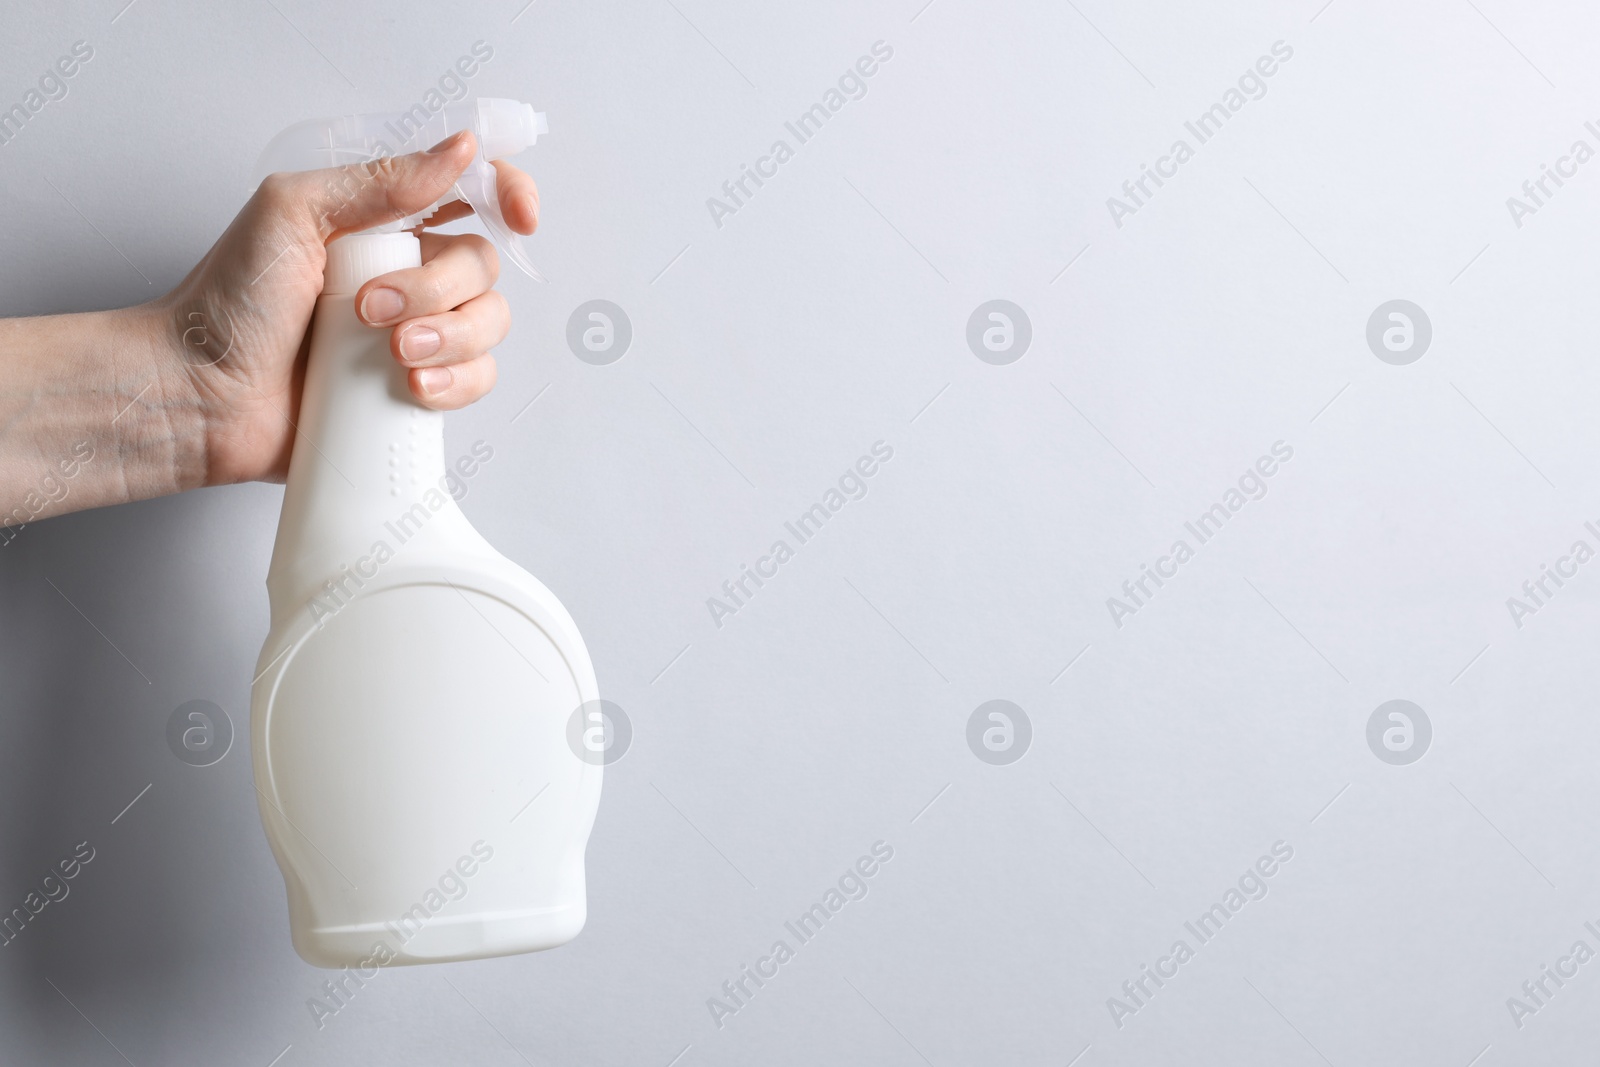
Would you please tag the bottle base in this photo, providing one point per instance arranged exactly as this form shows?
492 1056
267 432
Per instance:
367 946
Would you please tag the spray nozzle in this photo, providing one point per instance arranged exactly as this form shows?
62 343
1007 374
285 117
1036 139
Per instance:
503 128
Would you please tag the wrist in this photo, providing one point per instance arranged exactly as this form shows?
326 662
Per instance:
158 428
197 358
238 380
94 410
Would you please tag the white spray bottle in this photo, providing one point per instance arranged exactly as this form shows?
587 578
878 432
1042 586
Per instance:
409 721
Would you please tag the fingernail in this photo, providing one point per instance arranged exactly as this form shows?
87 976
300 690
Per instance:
435 380
382 305
446 143
533 208
419 342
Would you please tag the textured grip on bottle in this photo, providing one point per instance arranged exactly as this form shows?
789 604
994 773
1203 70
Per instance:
354 261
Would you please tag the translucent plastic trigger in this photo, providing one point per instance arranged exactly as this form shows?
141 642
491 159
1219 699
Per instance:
478 187
503 128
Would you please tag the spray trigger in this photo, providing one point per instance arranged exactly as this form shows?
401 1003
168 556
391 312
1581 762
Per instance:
503 128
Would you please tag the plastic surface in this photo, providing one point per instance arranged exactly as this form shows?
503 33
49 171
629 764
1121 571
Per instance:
409 721
503 128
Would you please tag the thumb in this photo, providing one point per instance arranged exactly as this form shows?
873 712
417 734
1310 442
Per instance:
342 200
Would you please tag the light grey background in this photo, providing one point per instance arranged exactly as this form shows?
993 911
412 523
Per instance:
768 354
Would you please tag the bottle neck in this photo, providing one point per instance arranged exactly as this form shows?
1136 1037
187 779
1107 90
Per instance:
367 472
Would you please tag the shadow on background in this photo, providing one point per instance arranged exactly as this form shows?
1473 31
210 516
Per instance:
110 622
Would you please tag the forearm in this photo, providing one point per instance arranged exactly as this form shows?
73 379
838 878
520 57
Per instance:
94 409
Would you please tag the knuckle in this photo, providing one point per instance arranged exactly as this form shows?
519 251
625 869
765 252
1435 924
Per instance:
385 166
434 288
484 249
389 173
500 312
277 189
499 308
462 335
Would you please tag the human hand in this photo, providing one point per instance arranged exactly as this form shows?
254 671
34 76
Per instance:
254 293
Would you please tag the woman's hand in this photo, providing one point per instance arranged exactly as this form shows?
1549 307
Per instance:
202 386
240 320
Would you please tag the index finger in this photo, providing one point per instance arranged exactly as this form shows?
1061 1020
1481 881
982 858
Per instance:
519 201
519 197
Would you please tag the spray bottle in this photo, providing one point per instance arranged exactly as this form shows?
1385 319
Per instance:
409 719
